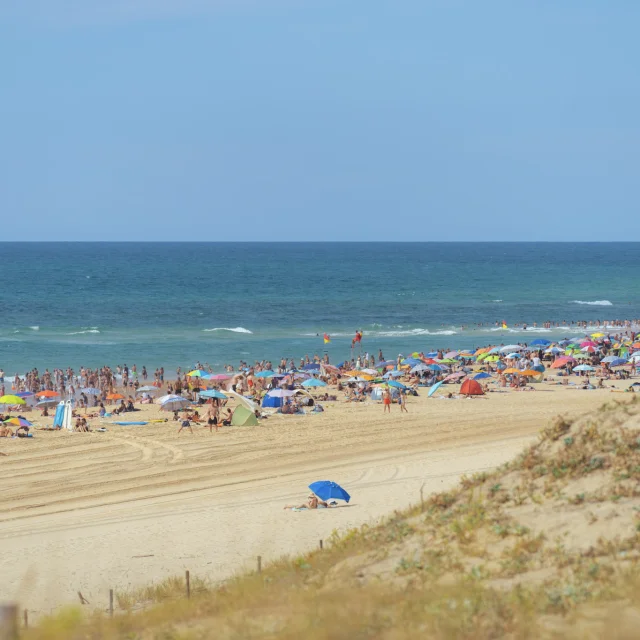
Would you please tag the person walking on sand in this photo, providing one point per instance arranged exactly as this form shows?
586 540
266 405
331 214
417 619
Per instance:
185 425
386 400
402 401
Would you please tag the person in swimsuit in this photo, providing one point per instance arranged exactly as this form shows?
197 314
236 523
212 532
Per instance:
312 503
386 401
212 417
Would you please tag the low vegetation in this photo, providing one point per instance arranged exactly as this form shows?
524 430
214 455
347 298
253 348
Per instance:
546 546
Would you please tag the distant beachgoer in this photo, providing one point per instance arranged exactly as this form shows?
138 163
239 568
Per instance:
212 417
402 401
312 503
386 401
185 425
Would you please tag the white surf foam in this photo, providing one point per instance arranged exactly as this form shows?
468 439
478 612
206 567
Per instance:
35 328
77 333
234 329
594 303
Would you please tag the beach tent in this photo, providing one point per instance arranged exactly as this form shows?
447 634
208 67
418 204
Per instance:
271 402
242 417
471 388
376 393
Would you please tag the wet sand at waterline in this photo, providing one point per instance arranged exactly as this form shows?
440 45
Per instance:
92 511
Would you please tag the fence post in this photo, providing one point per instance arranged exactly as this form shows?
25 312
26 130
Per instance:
259 564
188 581
8 622
26 619
320 545
111 602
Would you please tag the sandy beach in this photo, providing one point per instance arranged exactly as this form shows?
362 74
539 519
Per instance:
92 511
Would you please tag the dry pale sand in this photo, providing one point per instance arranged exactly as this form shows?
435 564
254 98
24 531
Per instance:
89 511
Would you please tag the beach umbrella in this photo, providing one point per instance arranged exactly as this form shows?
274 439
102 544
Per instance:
492 359
482 375
530 373
511 370
212 393
597 335
198 373
48 402
435 367
618 362
542 342
588 343
411 361
314 382
173 402
455 376
434 388
25 394
47 394
539 367
18 422
311 366
553 350
584 367
385 363
115 396
371 372
364 378
11 399
328 490
281 393
265 374
396 384
92 391
563 361
451 354
220 376
588 349
419 368
511 347
148 389
501 366
511 356
393 374
610 359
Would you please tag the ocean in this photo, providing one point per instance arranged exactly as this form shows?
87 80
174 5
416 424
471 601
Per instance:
172 304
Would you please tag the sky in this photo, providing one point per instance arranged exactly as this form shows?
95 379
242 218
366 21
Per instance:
233 120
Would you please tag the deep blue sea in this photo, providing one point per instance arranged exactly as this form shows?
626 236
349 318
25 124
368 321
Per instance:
170 304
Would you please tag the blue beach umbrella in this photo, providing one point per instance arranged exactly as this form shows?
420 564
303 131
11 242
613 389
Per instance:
540 342
434 388
314 382
411 361
328 490
393 374
435 367
396 384
584 367
212 393
312 366
265 374
25 394
91 391
384 363
482 375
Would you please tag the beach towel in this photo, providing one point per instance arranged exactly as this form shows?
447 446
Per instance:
129 424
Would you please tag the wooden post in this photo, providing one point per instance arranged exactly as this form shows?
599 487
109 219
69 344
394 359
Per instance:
8 622
111 602
188 581
26 619
320 545
259 564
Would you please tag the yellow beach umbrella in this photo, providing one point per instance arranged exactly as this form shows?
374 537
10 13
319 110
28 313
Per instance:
597 335
11 400
511 370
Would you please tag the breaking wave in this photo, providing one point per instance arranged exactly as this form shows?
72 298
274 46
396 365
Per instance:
594 303
234 330
77 333
35 328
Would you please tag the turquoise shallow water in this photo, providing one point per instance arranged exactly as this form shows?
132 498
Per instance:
171 304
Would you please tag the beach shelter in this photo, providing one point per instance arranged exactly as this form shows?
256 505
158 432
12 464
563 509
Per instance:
63 418
242 417
471 388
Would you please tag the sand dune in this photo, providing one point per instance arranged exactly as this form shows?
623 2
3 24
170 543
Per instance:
86 512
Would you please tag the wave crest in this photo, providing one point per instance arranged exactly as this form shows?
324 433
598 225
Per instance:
77 333
234 329
594 303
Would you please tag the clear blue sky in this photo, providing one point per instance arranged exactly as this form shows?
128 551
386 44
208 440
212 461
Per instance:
319 120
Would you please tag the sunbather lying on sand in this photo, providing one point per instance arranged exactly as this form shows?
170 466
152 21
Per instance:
5 432
312 503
